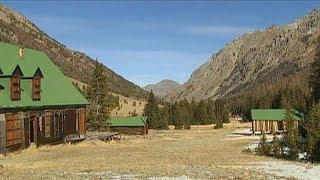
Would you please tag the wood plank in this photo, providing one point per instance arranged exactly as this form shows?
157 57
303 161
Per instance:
82 128
14 134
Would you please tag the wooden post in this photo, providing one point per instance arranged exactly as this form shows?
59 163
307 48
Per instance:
253 128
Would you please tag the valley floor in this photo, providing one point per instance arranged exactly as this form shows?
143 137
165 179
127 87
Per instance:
201 152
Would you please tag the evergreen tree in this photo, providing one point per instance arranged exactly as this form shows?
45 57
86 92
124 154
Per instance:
98 110
193 107
263 148
291 136
313 133
165 110
315 75
276 147
201 116
186 114
210 112
221 111
154 114
150 106
176 116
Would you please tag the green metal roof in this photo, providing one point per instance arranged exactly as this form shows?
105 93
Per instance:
56 88
273 114
127 121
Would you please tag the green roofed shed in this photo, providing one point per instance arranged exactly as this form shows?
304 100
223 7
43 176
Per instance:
274 114
272 120
127 121
129 125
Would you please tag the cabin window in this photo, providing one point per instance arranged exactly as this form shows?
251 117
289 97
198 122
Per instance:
36 88
15 87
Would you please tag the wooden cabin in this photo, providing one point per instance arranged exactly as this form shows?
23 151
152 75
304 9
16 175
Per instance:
129 125
38 103
271 120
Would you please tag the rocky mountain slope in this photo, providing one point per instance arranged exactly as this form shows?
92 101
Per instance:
17 29
253 59
162 88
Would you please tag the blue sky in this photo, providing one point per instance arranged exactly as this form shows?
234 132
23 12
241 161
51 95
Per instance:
146 42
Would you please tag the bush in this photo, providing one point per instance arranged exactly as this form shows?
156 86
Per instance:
219 125
277 147
264 148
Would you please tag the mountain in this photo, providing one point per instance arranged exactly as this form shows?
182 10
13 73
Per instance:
261 57
17 29
162 88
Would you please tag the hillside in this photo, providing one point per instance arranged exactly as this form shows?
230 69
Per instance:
128 106
17 29
261 57
162 88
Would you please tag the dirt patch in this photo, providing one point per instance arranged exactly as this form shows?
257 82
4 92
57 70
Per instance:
201 152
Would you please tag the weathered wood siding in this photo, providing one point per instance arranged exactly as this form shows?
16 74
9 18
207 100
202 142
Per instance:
270 126
130 130
82 117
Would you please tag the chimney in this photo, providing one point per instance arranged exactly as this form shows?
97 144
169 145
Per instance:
21 52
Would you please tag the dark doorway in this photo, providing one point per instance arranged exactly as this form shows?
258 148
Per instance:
31 132
280 125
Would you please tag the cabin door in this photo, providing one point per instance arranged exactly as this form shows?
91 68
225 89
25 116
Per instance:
27 132
34 130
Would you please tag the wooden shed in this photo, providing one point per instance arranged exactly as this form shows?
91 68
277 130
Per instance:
38 103
129 125
272 120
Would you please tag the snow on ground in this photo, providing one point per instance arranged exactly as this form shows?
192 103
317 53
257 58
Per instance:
289 169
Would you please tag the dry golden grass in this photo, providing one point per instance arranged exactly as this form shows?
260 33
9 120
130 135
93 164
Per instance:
201 152
127 105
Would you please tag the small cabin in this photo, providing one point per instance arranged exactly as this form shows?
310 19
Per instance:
38 103
272 120
129 125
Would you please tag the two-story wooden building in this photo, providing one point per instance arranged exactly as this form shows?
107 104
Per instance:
38 103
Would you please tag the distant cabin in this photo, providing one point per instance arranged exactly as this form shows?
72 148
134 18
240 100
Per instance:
129 125
38 103
272 120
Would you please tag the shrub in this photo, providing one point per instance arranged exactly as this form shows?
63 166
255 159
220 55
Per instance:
264 148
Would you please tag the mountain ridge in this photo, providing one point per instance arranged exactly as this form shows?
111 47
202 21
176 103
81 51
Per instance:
251 58
162 88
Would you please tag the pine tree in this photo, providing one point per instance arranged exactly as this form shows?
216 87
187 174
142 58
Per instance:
98 111
221 111
186 114
155 115
201 116
277 147
193 107
151 105
314 79
210 112
291 136
151 110
313 133
176 116
263 148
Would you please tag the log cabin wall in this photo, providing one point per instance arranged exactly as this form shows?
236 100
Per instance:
19 129
141 130
270 126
